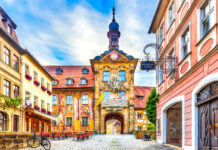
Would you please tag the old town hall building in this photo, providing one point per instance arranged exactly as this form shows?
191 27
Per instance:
76 89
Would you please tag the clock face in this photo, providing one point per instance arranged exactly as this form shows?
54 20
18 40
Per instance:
114 56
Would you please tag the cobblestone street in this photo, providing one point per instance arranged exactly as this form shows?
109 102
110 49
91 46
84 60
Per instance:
106 142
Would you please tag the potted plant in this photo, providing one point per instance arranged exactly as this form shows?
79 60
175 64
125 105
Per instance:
36 83
43 88
36 107
43 110
49 92
49 113
28 77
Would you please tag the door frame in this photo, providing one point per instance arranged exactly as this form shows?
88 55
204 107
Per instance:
204 82
164 118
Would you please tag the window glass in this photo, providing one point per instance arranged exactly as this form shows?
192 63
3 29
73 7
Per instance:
59 71
69 82
106 95
85 99
122 76
83 81
3 121
139 115
53 123
161 74
35 76
185 43
139 128
85 71
54 100
85 121
122 95
106 75
161 33
68 121
6 56
69 99
16 63
54 82
35 100
16 91
171 14
7 88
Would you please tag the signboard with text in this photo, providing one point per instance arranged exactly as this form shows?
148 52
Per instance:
147 65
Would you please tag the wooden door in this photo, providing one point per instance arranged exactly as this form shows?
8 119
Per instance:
208 125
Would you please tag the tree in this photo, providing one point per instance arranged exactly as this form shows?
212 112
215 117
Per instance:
150 107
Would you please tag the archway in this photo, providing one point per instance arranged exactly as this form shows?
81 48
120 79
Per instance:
115 118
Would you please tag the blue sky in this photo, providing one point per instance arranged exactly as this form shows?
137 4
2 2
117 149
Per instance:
70 32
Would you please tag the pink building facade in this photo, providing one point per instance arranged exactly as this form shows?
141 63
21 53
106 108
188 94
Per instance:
187 111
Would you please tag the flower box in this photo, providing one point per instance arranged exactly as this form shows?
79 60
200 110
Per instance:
49 113
30 105
43 88
36 107
49 92
36 83
43 110
28 77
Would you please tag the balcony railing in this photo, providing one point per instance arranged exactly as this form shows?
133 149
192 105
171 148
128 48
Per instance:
112 104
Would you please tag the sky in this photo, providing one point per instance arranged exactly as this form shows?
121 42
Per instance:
71 32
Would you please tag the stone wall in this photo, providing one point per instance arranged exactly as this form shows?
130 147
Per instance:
9 140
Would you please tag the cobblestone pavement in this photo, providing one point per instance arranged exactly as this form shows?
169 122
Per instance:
106 142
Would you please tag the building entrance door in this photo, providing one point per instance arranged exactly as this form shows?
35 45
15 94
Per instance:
114 122
208 125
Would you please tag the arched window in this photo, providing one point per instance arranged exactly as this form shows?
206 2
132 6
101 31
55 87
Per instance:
59 71
83 81
54 82
3 121
69 81
106 95
106 76
122 95
85 71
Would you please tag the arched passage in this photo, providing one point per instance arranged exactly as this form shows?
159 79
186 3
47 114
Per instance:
115 116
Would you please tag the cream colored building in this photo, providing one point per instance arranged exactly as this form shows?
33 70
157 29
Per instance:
37 93
10 73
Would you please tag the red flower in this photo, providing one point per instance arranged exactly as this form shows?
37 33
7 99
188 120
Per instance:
36 83
28 77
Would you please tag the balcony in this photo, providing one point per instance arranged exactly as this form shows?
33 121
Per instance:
114 104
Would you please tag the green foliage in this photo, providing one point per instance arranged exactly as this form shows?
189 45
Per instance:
150 107
9 102
151 126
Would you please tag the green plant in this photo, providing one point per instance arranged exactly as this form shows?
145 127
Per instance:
150 107
9 102
151 126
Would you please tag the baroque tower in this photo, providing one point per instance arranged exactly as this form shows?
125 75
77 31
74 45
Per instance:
113 33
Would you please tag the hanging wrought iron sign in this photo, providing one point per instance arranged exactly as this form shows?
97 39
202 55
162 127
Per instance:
147 65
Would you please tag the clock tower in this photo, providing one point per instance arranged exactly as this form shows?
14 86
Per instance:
113 33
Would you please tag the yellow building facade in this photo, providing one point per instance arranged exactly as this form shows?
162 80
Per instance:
10 74
37 93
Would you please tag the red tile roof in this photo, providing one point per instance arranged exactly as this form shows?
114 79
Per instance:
143 91
74 72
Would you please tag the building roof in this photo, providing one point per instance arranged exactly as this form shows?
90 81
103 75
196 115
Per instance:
5 15
141 91
73 72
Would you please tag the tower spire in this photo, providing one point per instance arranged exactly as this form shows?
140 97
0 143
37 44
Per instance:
113 13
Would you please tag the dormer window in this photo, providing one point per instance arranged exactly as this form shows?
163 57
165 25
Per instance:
69 81
54 82
85 71
140 97
9 29
59 71
83 81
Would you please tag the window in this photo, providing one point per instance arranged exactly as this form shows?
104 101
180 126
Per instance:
16 63
16 91
3 121
171 14
35 76
69 99
161 74
48 107
171 61
6 56
48 86
122 95
54 82
54 123
68 121
122 76
106 76
185 44
7 88
54 100
26 69
139 115
85 71
69 82
106 95
140 97
114 40
42 104
206 16
83 81
161 33
139 128
35 100
85 99
42 81
59 71
10 30
85 121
